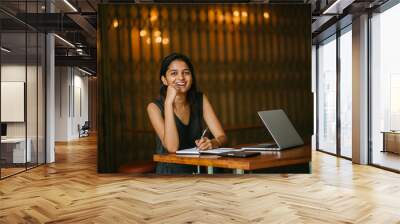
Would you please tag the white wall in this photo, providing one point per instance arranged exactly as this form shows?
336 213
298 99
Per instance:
33 127
71 102
16 73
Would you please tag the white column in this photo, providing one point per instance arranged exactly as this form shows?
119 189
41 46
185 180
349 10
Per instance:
50 92
360 90
50 110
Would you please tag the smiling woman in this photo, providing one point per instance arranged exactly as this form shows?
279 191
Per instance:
177 115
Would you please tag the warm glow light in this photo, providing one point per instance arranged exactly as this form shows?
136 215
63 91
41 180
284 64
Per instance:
153 18
266 15
153 15
236 20
157 33
228 17
165 41
158 40
148 40
143 33
244 14
115 23
236 13
221 18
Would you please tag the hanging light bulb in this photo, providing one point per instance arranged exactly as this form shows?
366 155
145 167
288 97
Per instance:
115 23
266 15
157 33
143 33
165 40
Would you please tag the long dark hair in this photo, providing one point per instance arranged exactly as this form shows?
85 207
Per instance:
192 93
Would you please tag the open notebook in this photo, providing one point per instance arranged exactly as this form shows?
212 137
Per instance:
194 151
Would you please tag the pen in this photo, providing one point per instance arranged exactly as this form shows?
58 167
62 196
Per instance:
204 133
202 136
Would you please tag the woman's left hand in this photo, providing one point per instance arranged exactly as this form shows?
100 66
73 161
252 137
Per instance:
204 144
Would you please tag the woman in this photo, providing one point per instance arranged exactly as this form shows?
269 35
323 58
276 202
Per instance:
178 113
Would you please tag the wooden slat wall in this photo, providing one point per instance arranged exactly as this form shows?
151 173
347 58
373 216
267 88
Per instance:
247 58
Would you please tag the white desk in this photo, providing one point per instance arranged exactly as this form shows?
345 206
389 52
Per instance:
17 146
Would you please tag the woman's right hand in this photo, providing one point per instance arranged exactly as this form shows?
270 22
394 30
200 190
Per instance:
171 94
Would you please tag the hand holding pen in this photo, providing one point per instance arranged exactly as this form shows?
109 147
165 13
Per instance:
203 143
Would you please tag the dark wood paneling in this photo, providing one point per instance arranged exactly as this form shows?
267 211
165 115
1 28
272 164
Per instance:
243 61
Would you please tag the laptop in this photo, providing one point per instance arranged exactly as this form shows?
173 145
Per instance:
281 130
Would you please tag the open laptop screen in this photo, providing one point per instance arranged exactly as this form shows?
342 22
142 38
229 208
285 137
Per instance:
281 129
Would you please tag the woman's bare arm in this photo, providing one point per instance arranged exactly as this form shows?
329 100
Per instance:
214 126
165 129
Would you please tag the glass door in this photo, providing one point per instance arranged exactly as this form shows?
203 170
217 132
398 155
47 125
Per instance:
345 59
326 96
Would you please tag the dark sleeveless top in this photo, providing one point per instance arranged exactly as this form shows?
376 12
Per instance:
187 136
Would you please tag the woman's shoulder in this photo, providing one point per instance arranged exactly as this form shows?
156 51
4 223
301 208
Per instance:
156 102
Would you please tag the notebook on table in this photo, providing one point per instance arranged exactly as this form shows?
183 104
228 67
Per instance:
195 151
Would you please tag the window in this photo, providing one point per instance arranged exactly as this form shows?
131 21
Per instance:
326 136
346 93
385 88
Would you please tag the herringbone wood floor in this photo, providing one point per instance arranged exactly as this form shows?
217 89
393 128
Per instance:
70 191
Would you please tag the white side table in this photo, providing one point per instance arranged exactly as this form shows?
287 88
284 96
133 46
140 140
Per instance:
18 149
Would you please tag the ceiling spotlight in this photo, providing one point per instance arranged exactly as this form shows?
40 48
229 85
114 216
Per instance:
84 71
65 41
5 50
337 7
70 5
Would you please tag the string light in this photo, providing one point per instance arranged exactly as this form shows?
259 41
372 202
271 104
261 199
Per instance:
115 23
157 33
165 40
266 15
143 33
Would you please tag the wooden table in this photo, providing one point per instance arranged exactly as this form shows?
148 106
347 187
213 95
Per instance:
391 141
298 155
